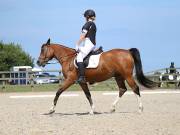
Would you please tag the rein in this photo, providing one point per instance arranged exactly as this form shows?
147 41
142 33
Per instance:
62 58
69 55
52 62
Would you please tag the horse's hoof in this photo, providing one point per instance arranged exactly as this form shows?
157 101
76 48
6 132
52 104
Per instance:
51 111
141 110
91 113
112 110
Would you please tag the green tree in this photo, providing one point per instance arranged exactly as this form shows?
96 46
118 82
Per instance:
13 55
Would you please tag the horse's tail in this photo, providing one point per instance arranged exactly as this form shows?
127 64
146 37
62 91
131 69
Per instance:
139 71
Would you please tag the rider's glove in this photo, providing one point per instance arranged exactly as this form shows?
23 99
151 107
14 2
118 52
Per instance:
77 48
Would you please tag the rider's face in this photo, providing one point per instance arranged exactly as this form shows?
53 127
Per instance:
90 18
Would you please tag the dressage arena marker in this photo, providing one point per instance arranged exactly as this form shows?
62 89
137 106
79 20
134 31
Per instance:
143 92
43 96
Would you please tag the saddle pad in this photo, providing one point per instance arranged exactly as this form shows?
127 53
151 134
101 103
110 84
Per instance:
93 61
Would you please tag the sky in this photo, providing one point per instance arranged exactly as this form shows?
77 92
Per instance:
151 26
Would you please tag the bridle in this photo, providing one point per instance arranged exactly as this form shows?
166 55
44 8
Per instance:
45 59
62 58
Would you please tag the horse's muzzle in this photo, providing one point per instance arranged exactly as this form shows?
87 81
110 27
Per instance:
40 63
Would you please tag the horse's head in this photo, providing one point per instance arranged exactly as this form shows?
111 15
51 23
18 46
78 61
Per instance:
47 53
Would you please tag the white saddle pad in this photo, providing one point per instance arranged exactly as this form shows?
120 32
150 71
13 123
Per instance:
93 61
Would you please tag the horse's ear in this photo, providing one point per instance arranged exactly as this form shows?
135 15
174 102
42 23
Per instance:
48 42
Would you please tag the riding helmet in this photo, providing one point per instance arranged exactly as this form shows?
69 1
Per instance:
89 13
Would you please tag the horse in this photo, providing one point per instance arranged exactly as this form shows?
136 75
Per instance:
168 78
117 63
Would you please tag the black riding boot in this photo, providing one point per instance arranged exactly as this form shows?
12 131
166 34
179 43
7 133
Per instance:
81 70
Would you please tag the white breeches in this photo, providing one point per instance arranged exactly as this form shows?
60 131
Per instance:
85 49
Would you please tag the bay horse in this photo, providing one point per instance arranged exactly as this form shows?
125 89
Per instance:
117 63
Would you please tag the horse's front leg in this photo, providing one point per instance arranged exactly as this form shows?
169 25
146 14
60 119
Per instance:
65 85
85 88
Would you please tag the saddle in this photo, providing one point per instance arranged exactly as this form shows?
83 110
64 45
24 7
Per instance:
97 51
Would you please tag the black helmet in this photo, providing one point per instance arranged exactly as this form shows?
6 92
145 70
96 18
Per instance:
89 13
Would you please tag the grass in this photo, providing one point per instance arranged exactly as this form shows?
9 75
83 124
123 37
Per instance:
103 86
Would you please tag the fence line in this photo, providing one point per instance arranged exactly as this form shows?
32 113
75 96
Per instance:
7 77
25 77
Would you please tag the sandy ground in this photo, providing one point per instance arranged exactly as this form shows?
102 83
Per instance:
161 115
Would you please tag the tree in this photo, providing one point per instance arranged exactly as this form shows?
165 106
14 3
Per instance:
13 55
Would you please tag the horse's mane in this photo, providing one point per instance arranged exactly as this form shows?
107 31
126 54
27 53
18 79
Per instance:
63 46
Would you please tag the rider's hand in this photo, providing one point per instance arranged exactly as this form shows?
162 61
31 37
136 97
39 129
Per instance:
77 48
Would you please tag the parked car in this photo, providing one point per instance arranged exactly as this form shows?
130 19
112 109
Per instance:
45 78
53 79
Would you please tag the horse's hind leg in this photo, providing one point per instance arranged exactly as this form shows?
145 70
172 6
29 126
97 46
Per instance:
85 88
122 89
135 89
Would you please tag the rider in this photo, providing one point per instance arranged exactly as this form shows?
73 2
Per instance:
88 37
172 69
